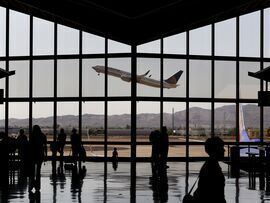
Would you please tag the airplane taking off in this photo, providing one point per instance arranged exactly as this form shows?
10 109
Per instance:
243 136
142 79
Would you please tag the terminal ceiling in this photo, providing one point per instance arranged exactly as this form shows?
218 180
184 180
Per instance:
135 22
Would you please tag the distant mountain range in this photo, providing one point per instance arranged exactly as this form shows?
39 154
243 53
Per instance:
199 117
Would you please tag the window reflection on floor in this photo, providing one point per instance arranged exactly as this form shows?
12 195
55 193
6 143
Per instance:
101 182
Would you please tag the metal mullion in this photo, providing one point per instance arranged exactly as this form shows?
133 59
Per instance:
213 81
187 96
106 102
133 123
31 76
7 69
161 81
141 55
261 67
237 79
133 102
55 84
187 113
80 83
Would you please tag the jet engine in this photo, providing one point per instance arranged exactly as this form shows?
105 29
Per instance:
125 78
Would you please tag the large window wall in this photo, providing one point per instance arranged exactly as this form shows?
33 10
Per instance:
56 86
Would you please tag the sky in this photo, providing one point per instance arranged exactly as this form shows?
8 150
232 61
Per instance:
93 85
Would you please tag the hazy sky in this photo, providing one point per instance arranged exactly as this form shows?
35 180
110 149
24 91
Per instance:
93 85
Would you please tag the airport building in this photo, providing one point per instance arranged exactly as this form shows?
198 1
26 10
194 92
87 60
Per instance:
118 71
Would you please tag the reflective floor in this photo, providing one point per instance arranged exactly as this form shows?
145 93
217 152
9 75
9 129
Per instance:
102 183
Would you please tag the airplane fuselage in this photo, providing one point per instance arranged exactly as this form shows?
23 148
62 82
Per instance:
126 76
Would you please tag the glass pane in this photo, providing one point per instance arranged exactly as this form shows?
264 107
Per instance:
265 65
68 78
174 117
153 66
266 34
43 78
119 84
200 78
225 42
19 34
122 150
266 124
199 120
171 67
200 41
43 116
2 117
2 31
18 118
148 119
151 47
225 116
250 35
225 79
199 127
43 37
19 83
117 47
3 80
92 82
197 150
93 127
67 116
67 40
93 44
175 44
119 121
249 86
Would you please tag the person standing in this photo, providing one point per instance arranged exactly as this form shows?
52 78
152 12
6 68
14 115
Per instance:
23 150
115 158
61 141
211 179
38 153
164 147
75 144
154 139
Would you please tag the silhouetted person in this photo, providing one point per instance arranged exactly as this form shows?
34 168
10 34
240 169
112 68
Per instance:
61 141
4 160
164 147
154 139
23 151
115 154
38 153
115 158
75 145
211 179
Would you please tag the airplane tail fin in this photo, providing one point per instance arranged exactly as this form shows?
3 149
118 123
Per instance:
173 79
243 136
143 75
